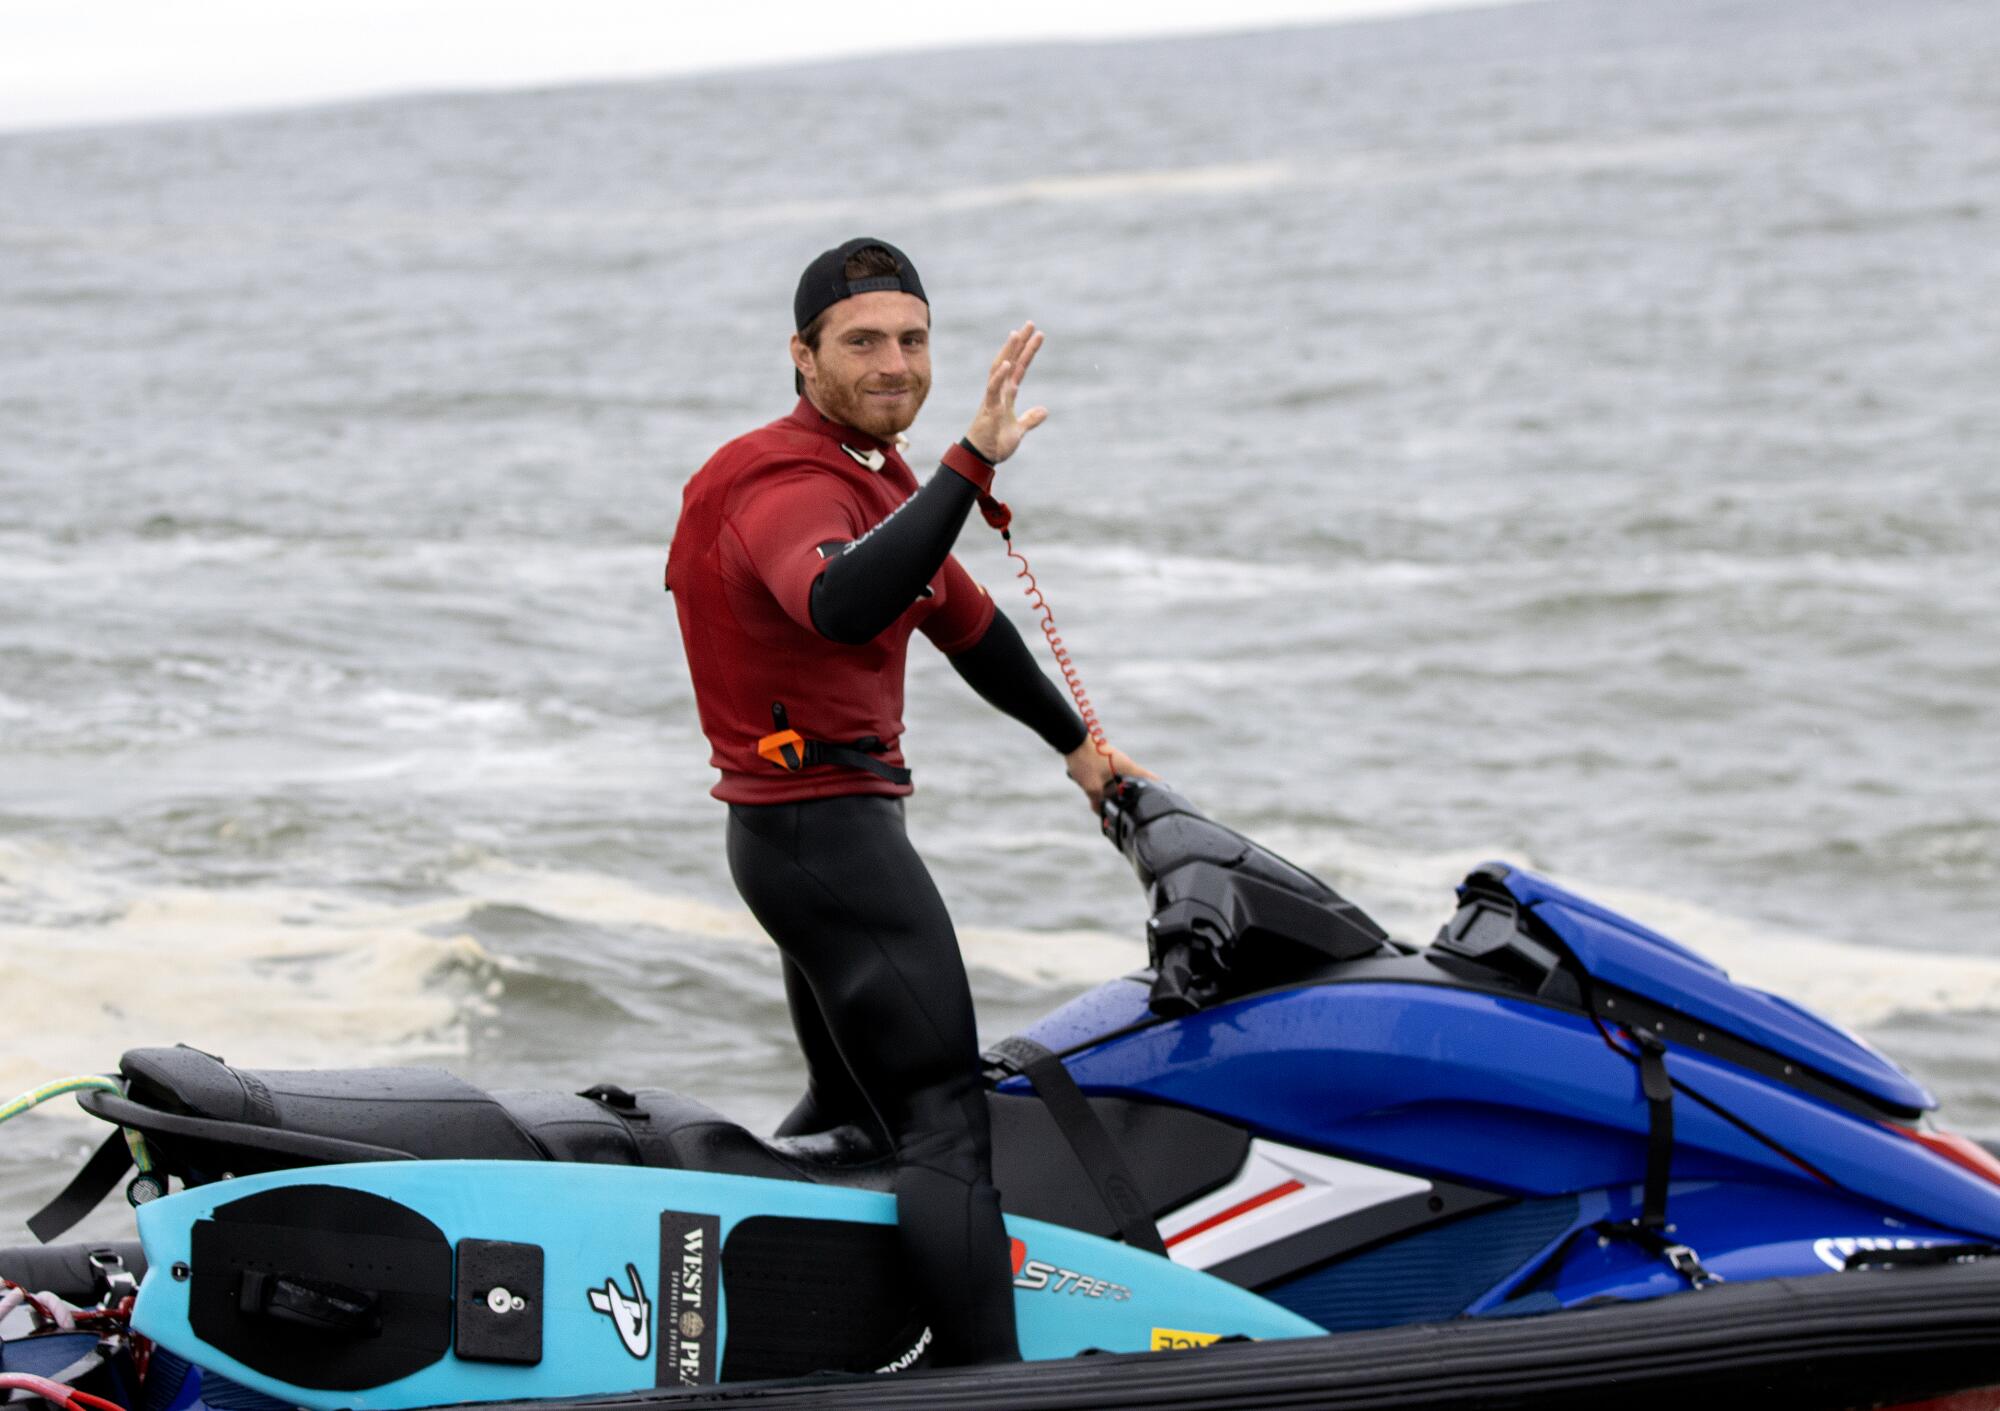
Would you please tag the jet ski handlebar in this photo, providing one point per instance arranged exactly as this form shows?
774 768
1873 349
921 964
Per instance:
1228 916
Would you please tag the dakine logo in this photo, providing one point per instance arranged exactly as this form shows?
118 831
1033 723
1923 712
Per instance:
632 1315
908 1359
688 1247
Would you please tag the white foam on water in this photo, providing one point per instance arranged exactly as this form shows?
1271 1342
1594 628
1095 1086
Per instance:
598 222
287 977
601 900
1623 155
267 976
1071 957
1222 178
1386 166
282 977
1078 956
1219 179
1858 986
1410 893
1855 986
113 562
1173 577
417 712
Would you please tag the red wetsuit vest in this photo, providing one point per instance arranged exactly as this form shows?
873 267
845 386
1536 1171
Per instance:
741 569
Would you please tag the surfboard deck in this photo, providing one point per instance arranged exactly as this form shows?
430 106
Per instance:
417 1283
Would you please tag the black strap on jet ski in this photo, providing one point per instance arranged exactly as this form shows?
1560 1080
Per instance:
1659 1091
1684 1260
98 1178
1650 1230
654 1147
1084 1130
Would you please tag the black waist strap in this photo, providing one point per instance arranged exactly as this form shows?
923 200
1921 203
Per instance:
1084 1131
854 756
789 750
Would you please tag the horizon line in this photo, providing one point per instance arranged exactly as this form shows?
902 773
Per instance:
362 94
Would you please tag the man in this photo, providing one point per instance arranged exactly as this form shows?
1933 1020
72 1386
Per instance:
804 558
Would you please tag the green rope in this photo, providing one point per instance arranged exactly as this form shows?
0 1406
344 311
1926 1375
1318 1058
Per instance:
142 1155
35 1097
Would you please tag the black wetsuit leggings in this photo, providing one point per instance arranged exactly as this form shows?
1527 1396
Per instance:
880 1001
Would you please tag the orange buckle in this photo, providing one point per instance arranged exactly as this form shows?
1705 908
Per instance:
786 749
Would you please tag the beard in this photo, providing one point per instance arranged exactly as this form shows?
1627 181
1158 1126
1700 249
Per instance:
851 405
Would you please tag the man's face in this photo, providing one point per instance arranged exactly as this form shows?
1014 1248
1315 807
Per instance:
872 369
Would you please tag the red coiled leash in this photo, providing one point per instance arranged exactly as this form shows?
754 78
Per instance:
1000 517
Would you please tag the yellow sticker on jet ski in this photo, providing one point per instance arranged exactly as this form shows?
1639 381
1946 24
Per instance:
1171 1339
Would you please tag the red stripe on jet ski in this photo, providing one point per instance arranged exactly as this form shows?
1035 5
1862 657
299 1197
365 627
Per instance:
1242 1207
1961 1151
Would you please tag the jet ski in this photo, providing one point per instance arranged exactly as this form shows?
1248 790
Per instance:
1549 1156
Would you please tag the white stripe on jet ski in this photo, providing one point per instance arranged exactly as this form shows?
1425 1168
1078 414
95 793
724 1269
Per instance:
1255 1208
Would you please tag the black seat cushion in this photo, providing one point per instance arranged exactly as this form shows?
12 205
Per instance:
425 1113
208 1118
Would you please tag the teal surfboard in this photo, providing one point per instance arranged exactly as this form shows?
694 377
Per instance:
418 1283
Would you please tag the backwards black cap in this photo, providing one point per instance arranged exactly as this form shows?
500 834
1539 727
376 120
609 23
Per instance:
825 282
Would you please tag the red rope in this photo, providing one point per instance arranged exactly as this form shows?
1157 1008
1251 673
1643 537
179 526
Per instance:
105 1322
56 1392
1000 517
118 1318
42 1310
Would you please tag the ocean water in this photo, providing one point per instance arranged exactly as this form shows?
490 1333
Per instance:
1562 433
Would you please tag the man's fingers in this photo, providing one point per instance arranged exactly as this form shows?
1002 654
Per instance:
1034 346
1008 349
1003 382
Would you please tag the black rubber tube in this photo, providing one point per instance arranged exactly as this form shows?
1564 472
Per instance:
1855 1339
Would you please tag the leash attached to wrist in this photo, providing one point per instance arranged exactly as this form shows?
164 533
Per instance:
1001 518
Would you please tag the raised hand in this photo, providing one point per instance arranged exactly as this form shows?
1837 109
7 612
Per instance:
996 432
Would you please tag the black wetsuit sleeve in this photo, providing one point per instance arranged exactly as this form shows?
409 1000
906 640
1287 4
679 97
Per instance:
870 582
1003 671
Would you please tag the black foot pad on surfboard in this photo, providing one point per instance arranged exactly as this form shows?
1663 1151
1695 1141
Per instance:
815 1295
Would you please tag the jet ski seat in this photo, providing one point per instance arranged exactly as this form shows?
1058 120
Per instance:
206 1119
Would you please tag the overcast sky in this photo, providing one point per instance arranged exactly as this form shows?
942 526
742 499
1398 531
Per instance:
87 61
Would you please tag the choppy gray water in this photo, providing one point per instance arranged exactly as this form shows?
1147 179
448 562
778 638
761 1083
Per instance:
1563 433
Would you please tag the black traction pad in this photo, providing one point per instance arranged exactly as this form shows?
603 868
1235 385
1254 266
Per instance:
807 1296
320 1237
